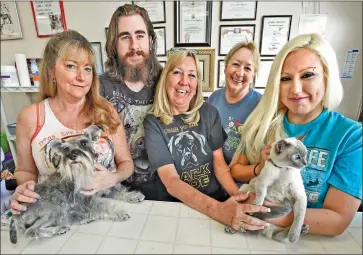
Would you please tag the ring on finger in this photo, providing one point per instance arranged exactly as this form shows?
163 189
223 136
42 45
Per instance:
242 228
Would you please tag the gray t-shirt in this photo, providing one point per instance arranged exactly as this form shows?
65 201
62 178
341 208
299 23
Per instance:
132 108
189 147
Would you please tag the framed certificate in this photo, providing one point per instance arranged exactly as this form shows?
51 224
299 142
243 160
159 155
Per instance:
206 65
193 23
97 51
263 73
156 10
229 35
48 17
275 33
10 24
221 76
231 11
161 41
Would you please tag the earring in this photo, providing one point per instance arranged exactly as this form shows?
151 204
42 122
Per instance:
54 82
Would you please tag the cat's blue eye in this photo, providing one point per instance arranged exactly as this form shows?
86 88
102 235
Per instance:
295 157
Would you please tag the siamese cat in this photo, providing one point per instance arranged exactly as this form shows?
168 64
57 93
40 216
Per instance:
280 181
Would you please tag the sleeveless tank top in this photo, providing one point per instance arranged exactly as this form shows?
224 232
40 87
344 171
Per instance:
53 128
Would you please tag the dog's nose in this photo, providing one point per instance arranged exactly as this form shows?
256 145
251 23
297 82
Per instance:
73 155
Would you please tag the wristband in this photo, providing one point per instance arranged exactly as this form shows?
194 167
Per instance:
254 169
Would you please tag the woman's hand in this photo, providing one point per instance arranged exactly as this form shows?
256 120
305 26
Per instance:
102 179
23 193
237 213
265 153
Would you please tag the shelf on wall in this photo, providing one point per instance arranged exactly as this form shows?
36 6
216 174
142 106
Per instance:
19 89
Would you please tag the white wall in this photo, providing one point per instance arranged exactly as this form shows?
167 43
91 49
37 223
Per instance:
344 31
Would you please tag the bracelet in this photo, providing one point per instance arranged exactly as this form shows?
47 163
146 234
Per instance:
254 169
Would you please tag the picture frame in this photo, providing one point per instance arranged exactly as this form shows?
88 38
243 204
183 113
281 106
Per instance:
263 73
221 77
48 17
275 32
10 24
194 27
201 68
161 41
208 58
106 31
156 10
238 11
229 35
162 63
97 50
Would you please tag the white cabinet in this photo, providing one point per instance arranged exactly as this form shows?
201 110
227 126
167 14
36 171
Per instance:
4 119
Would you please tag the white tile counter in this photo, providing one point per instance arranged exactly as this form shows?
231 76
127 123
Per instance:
162 227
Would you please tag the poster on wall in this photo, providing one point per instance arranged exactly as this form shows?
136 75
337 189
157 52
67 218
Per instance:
161 41
275 33
10 25
193 23
263 73
49 17
221 76
230 35
97 51
231 11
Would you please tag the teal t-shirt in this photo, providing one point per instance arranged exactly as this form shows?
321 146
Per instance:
334 157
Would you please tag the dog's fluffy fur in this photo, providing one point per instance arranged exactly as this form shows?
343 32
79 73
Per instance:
61 204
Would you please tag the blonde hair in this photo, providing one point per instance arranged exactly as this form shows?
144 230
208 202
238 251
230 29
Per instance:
161 106
265 124
63 46
251 46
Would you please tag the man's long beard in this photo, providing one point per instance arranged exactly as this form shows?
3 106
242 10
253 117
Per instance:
136 72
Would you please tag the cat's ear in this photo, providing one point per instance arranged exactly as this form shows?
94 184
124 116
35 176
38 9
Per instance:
281 145
301 137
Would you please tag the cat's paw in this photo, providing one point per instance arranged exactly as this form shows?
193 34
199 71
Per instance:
281 236
304 229
293 236
121 216
86 221
63 230
229 229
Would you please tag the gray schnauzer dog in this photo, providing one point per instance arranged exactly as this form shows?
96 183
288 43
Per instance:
61 204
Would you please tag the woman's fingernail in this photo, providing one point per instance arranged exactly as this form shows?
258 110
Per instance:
23 209
268 209
34 201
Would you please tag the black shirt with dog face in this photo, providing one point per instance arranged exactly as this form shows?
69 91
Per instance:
188 147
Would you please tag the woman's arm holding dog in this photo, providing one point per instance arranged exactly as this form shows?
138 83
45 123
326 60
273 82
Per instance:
26 172
229 213
223 173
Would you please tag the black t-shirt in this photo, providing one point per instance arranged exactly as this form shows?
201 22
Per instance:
132 108
189 147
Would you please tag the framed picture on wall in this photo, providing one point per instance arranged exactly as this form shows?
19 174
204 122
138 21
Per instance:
263 73
161 41
10 24
193 23
106 31
229 35
207 57
231 11
49 17
221 77
156 10
275 33
201 68
97 50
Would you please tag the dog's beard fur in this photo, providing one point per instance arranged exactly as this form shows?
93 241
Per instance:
136 72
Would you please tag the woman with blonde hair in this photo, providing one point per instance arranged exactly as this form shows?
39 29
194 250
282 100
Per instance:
237 99
70 102
302 90
184 139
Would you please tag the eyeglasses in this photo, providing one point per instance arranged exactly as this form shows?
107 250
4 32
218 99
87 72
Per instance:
173 50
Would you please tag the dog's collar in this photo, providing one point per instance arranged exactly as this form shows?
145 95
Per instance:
274 163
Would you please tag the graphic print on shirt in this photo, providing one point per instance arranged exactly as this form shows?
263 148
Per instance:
188 149
314 174
133 117
185 145
233 130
